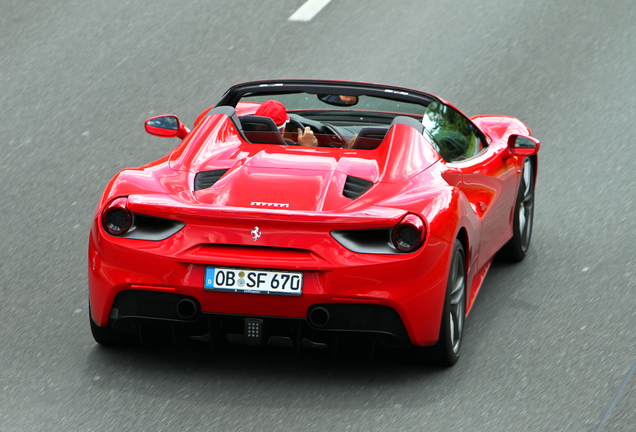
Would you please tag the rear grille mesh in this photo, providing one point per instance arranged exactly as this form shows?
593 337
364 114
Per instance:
205 179
355 186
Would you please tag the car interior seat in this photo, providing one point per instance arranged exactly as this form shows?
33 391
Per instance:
369 138
261 130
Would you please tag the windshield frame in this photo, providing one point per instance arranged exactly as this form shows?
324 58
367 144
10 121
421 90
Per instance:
264 88
273 88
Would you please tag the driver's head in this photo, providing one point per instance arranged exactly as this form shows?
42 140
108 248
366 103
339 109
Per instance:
274 110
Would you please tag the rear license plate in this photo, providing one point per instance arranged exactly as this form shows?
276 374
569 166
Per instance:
253 281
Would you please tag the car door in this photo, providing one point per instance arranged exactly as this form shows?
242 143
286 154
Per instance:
489 183
487 180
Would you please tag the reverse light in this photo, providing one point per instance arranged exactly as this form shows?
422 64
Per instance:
116 218
409 234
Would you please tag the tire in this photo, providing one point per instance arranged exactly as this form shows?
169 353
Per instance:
446 351
517 247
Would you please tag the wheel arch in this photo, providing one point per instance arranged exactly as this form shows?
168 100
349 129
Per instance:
462 237
535 164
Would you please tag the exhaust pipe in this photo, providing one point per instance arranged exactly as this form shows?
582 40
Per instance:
319 317
187 309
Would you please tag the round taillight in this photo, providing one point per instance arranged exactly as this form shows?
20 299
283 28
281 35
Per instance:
408 235
116 219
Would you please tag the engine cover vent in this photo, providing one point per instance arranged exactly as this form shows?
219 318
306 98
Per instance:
355 186
205 179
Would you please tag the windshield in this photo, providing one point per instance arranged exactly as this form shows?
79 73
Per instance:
305 101
323 120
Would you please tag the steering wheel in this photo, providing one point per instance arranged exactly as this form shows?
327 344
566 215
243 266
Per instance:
297 122
328 134
294 124
332 130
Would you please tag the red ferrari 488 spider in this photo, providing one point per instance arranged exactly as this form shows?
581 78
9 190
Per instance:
309 213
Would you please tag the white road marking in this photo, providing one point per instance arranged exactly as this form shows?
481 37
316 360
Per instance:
308 10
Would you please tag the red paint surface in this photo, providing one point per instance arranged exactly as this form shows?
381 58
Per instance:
408 175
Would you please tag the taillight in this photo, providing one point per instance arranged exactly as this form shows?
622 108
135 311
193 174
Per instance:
409 234
116 219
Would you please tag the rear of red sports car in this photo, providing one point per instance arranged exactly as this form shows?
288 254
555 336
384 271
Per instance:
280 240
238 239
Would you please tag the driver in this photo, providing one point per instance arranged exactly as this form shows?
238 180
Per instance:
277 112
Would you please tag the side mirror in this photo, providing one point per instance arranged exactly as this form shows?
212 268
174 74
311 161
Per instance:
166 126
522 145
338 100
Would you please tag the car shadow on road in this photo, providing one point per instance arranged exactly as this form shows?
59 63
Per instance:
269 377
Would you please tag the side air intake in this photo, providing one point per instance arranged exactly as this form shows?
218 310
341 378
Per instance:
354 187
205 179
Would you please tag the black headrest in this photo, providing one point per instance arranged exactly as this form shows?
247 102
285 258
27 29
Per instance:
369 138
258 123
261 130
375 132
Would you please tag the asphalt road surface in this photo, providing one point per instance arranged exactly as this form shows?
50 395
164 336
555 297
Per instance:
550 341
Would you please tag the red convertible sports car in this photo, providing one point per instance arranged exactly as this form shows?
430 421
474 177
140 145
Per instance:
311 213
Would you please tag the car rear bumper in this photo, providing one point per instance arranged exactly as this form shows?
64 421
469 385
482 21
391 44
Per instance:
152 315
400 296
